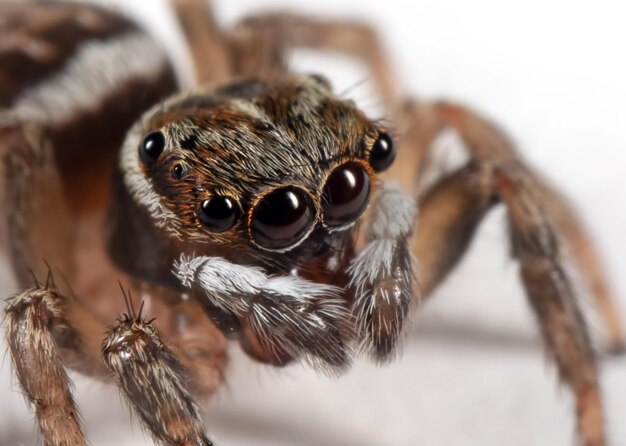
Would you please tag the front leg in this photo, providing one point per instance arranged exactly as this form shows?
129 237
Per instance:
382 275
289 316
31 318
48 331
154 382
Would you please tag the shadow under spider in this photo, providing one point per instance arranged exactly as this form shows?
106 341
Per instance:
469 333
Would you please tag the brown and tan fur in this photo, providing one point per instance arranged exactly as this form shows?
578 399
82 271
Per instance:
94 234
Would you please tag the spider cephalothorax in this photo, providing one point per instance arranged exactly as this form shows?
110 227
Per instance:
256 163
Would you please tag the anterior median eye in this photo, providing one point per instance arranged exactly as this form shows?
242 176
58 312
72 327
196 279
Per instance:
383 152
345 195
218 214
151 147
281 218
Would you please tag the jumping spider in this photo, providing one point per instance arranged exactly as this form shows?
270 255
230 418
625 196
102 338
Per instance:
233 210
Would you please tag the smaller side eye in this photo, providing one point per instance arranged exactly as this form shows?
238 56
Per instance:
383 152
178 171
151 147
218 214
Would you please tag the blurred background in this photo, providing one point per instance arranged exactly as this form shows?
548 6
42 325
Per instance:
472 370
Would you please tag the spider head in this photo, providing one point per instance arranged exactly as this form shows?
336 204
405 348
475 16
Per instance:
256 164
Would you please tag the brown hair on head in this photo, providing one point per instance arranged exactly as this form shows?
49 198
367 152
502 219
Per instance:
229 148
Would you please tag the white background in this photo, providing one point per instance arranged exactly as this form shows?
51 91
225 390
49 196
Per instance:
473 372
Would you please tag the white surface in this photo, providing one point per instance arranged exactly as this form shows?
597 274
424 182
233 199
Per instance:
472 372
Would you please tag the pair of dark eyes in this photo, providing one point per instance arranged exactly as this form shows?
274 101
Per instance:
283 216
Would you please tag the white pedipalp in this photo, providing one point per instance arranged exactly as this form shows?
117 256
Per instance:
288 313
396 215
382 273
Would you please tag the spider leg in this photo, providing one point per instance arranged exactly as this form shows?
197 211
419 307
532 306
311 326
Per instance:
452 209
489 147
154 382
450 212
46 330
208 49
256 46
589 265
199 346
552 296
31 195
287 315
382 273
259 43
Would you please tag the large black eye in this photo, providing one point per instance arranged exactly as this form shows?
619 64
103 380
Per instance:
281 218
151 147
218 213
383 153
346 194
